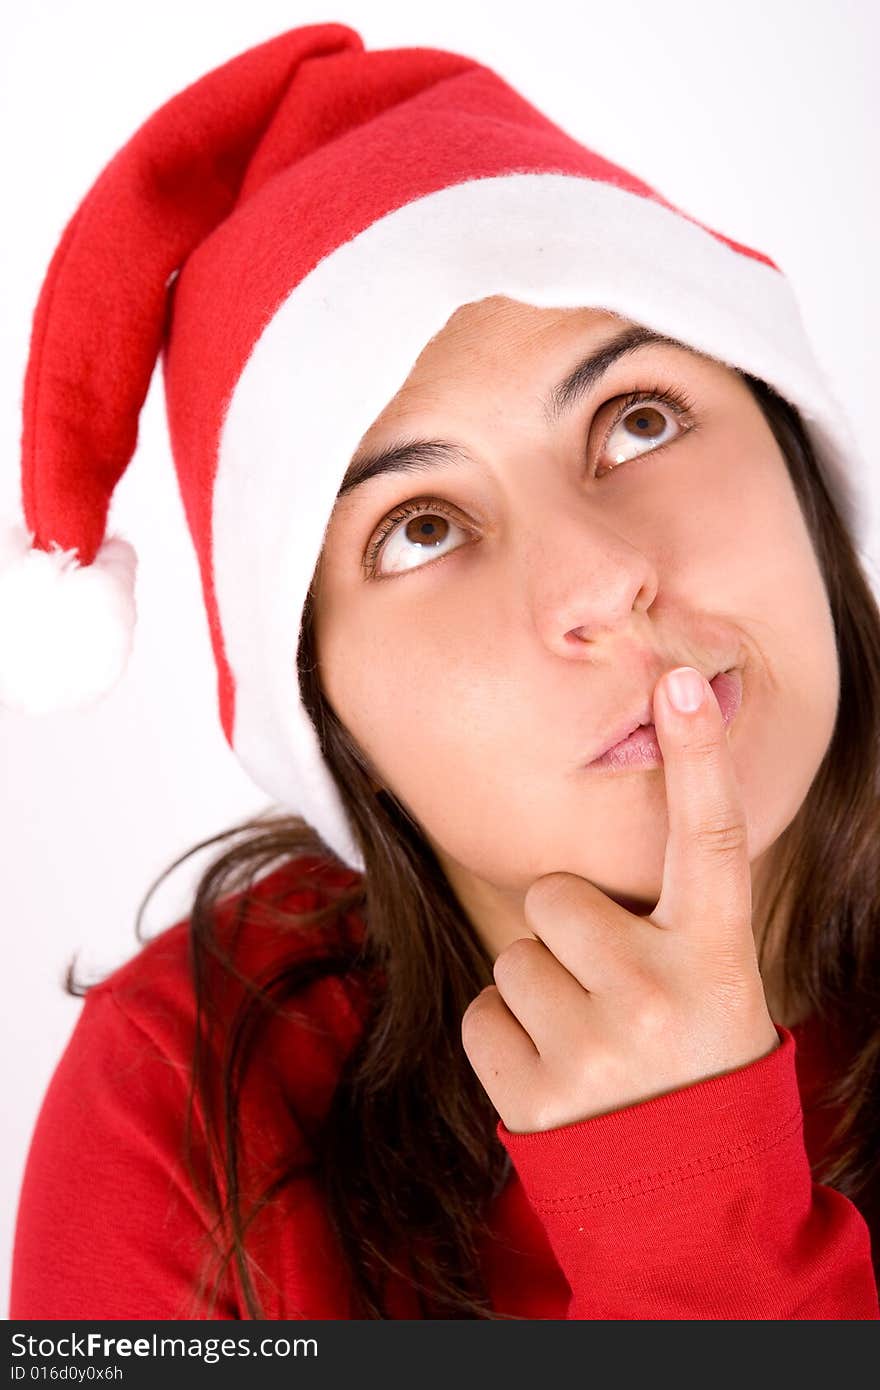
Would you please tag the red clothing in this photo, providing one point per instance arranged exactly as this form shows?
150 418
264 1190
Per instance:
696 1204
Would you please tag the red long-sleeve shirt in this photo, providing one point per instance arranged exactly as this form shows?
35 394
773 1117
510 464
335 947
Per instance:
696 1204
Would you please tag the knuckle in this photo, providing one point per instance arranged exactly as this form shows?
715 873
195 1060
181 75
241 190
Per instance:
543 1116
510 963
728 996
544 891
600 1072
724 837
736 977
702 742
653 1012
477 1011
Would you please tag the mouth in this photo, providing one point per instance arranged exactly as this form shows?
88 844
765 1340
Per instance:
640 747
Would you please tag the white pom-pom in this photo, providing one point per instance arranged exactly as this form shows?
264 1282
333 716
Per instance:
65 629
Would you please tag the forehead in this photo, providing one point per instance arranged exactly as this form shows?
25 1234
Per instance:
500 314
494 335
499 323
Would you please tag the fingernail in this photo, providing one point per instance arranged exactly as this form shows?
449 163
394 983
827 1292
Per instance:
686 689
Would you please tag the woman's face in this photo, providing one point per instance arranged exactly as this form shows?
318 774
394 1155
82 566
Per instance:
510 624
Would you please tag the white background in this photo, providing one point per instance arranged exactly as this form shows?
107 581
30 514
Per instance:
759 117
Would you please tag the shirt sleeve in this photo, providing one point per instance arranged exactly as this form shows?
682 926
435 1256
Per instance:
107 1225
699 1204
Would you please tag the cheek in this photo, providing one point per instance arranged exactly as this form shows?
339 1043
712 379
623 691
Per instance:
789 718
406 690
791 617
433 716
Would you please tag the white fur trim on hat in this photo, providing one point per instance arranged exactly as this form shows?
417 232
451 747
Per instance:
342 344
66 629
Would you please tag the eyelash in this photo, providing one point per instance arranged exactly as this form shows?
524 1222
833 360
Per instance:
676 398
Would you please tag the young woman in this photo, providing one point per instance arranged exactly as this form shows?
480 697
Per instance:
528 531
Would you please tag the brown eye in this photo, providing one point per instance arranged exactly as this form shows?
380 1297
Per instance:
641 426
644 422
410 535
427 529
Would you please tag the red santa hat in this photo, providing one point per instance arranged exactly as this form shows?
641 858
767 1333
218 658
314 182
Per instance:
287 233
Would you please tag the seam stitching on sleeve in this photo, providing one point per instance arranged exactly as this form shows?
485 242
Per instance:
727 1157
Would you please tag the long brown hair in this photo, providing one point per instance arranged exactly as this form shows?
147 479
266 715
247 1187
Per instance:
407 1156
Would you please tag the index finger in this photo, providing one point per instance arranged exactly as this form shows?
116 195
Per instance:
707 885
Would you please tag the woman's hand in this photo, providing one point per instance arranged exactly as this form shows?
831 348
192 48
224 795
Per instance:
606 1008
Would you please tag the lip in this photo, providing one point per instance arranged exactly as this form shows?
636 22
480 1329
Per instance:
640 747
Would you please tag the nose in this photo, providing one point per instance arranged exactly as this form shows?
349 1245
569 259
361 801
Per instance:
585 579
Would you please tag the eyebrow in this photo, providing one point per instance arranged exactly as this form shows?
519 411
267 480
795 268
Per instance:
421 455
